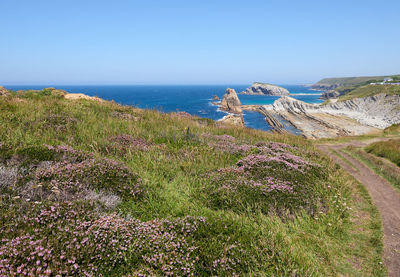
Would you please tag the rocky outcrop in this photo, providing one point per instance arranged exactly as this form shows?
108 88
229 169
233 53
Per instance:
233 119
78 96
215 98
330 94
325 87
230 102
352 117
3 91
265 89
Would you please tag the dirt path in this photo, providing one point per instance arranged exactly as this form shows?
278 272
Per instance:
384 196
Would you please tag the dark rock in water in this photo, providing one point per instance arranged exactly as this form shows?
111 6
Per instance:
330 94
3 91
215 98
230 102
265 89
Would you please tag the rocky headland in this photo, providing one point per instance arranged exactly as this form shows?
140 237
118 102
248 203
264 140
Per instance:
258 88
342 118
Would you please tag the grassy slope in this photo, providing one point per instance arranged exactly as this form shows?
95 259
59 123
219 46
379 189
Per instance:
370 90
176 165
386 149
382 167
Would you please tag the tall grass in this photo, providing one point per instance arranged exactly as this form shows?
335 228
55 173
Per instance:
143 192
386 149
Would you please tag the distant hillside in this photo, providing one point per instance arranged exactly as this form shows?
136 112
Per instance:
369 90
333 83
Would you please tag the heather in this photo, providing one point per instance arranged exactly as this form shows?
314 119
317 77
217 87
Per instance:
99 189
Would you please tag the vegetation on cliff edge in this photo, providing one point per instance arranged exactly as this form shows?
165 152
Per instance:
98 189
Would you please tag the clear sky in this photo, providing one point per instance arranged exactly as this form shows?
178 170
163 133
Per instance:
196 41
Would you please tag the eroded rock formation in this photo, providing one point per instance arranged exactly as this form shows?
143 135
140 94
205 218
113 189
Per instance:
265 89
234 119
230 102
352 117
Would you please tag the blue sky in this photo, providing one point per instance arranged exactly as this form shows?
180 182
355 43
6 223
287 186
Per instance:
196 41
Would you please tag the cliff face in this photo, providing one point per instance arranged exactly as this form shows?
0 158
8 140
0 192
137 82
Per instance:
379 111
325 87
265 89
330 94
352 117
3 91
230 102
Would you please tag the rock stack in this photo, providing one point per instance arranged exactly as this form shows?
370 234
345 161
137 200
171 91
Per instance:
230 102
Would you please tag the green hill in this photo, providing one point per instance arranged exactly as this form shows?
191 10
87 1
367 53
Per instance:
90 188
332 83
369 90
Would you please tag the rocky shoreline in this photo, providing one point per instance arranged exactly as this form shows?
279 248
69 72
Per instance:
337 118
347 118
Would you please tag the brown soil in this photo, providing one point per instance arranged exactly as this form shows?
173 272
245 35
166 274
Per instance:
384 197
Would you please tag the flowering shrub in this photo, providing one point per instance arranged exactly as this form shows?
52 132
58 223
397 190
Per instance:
125 141
226 143
68 239
272 179
63 173
60 122
105 174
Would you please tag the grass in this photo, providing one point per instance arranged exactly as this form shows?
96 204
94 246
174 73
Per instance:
382 167
340 156
389 150
99 188
393 130
370 90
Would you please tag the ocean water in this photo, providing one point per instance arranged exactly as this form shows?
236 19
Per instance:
195 100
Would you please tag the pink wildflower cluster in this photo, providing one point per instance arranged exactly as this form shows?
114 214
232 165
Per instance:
65 152
69 178
229 260
68 240
271 184
272 178
226 143
285 159
127 141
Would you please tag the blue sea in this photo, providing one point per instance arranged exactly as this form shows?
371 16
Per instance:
194 99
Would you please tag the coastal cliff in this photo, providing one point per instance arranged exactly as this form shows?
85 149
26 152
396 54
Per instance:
352 117
258 88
